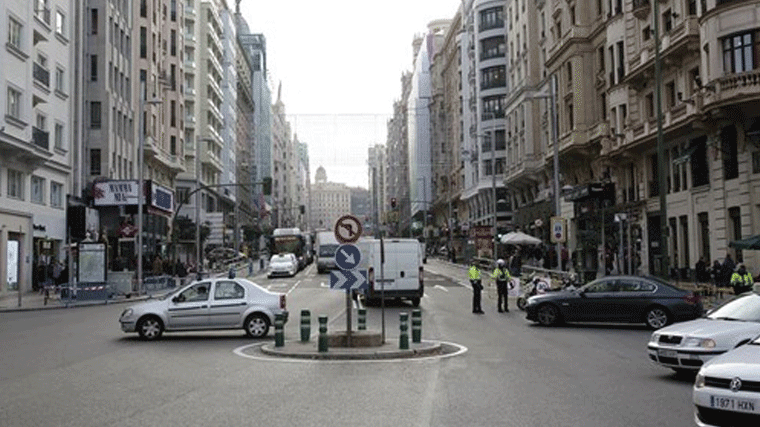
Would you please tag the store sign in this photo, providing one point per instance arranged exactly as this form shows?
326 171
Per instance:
161 197
115 193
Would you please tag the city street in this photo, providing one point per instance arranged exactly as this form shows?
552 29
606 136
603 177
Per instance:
74 367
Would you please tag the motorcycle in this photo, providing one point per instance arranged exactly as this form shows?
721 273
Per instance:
535 286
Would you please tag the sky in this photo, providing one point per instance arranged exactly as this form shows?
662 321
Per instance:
340 63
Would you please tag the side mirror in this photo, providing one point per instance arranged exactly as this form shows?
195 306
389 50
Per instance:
581 293
175 299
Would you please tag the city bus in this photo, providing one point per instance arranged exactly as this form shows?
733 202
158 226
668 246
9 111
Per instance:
290 240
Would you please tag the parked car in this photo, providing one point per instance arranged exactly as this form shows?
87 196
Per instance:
211 304
727 388
617 299
687 346
285 264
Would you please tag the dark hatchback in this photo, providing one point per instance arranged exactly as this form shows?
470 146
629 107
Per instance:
617 299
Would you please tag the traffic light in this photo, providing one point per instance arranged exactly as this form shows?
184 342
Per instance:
302 209
393 202
267 184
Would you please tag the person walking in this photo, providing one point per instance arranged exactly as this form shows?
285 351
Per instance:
741 280
477 287
502 277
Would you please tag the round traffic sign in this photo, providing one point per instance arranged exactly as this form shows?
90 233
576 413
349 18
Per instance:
348 229
348 256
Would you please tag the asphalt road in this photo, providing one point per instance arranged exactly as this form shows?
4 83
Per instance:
75 367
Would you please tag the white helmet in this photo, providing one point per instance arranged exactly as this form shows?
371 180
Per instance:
500 262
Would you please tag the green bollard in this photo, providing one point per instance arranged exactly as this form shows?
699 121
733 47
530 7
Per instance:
279 336
362 321
305 325
322 334
416 326
403 338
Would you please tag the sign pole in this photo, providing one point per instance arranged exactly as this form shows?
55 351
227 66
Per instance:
348 317
382 287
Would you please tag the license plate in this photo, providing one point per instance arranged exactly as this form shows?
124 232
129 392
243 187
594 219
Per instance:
667 353
729 403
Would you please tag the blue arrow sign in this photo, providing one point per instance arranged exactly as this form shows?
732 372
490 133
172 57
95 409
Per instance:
349 280
347 257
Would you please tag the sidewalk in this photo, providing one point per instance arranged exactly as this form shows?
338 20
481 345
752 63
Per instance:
33 300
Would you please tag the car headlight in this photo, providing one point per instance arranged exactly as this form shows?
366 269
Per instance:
127 313
655 337
699 382
699 342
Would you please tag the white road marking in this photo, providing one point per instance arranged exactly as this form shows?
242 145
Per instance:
323 284
441 288
294 286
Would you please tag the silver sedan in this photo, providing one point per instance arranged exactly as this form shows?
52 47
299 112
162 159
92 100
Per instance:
210 304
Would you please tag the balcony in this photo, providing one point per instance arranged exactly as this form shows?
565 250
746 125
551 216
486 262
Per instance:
732 88
41 76
641 8
189 93
43 16
190 12
40 138
190 39
190 121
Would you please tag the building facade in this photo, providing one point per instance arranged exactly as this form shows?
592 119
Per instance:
330 201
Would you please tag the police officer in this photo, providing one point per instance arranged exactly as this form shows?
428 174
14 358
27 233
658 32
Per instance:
741 280
477 287
502 277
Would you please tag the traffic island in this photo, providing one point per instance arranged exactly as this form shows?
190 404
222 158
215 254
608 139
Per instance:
389 350
358 339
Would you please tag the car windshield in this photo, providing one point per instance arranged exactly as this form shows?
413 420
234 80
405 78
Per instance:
744 308
327 250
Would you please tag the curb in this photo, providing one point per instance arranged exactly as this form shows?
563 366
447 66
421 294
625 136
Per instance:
74 305
427 348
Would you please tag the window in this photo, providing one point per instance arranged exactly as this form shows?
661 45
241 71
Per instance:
569 73
13 107
600 58
692 7
197 292
143 8
58 136
670 94
15 184
59 80
570 117
493 47
603 105
95 161
56 194
60 23
729 152
228 290
646 33
38 190
700 174
94 68
14 32
492 18
492 77
667 20
756 162
493 107
735 224
95 115
94 21
621 62
143 42
649 105
740 52
173 43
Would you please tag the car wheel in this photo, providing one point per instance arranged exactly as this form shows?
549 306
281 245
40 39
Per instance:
548 315
257 325
416 301
657 317
521 303
150 328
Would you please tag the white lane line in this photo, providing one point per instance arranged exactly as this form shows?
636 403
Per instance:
441 288
322 284
294 286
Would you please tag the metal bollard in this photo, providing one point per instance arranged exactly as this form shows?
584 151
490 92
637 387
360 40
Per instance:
305 325
279 336
362 321
403 338
416 326
322 334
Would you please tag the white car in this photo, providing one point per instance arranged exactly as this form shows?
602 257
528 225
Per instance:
283 265
686 346
210 304
727 389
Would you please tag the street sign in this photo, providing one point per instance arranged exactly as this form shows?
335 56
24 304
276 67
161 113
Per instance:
347 257
349 280
559 229
348 229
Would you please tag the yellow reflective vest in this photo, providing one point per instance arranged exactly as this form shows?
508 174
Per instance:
746 280
474 273
501 275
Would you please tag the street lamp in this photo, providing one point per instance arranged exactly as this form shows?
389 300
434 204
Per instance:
198 199
660 144
141 183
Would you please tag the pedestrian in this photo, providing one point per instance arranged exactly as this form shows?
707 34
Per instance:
477 287
701 270
515 263
741 280
727 269
502 276
158 265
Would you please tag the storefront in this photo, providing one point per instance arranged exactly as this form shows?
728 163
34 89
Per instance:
15 251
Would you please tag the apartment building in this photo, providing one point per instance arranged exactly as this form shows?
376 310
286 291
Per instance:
397 170
246 137
35 138
379 202
284 163
303 186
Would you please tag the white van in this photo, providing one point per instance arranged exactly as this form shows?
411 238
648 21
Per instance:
401 272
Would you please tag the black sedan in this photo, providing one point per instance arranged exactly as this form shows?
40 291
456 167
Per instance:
617 299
